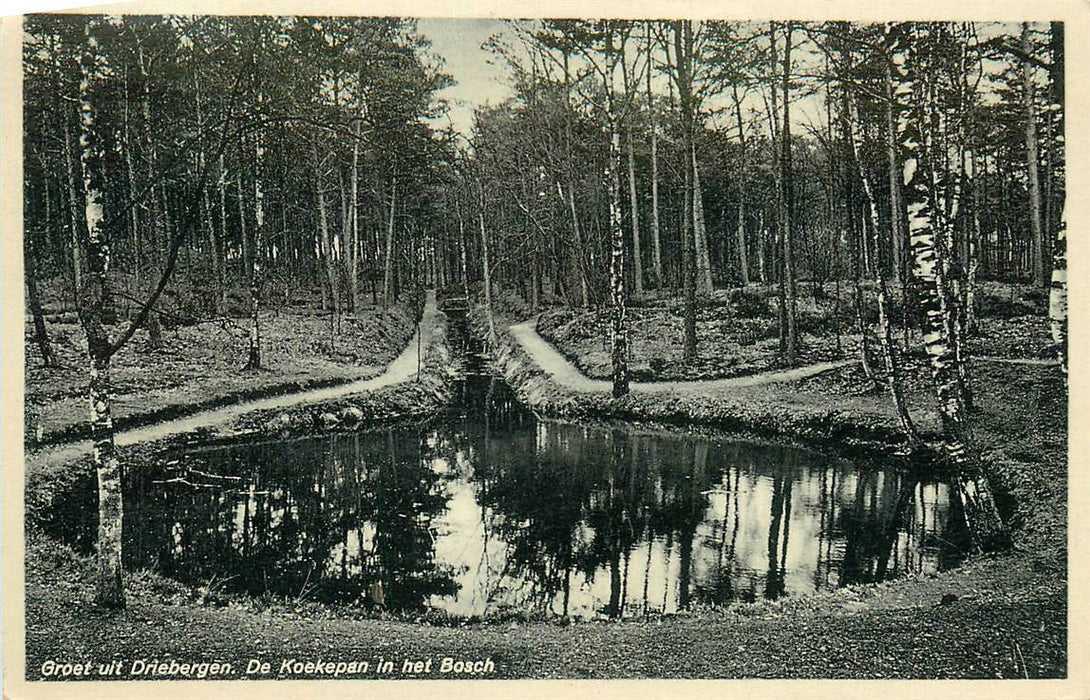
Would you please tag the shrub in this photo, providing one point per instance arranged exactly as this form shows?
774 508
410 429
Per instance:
749 303
552 319
995 306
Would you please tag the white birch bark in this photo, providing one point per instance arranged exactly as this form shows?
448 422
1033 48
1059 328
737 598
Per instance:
1057 298
110 588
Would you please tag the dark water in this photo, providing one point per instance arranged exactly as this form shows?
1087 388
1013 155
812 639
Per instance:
488 511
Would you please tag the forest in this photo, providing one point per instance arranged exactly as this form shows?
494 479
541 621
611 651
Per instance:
672 200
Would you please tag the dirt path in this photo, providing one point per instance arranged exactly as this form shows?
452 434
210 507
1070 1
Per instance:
402 367
565 373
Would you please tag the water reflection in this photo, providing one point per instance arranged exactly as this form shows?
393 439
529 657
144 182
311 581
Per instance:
489 511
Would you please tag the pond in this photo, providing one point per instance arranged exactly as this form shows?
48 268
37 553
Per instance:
488 511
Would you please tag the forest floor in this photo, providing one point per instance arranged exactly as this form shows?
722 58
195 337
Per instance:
200 365
562 371
738 330
398 370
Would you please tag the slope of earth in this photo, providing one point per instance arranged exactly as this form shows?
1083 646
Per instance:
200 365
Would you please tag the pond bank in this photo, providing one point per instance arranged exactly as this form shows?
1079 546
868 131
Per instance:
767 409
426 348
993 618
1020 420
404 396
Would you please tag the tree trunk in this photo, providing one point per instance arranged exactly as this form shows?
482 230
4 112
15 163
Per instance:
777 244
41 334
1057 298
683 40
975 238
254 357
743 256
656 246
581 270
243 235
326 238
857 301
215 259
579 253
1037 242
535 284
487 271
981 514
110 591
93 298
1057 303
700 231
351 252
788 208
762 236
221 187
157 219
896 207
74 196
637 254
856 233
1056 138
618 301
889 349
388 274
464 256
130 190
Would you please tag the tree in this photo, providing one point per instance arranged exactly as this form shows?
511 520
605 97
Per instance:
41 333
1037 249
787 206
656 245
740 232
618 300
253 358
914 116
1057 307
684 52
95 315
885 333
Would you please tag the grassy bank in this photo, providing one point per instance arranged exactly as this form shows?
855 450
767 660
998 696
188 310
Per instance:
428 392
418 397
821 409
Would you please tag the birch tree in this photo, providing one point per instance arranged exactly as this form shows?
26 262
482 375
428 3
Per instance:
1057 298
907 45
618 300
894 380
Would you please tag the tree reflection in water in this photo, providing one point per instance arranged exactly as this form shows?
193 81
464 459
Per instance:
488 511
